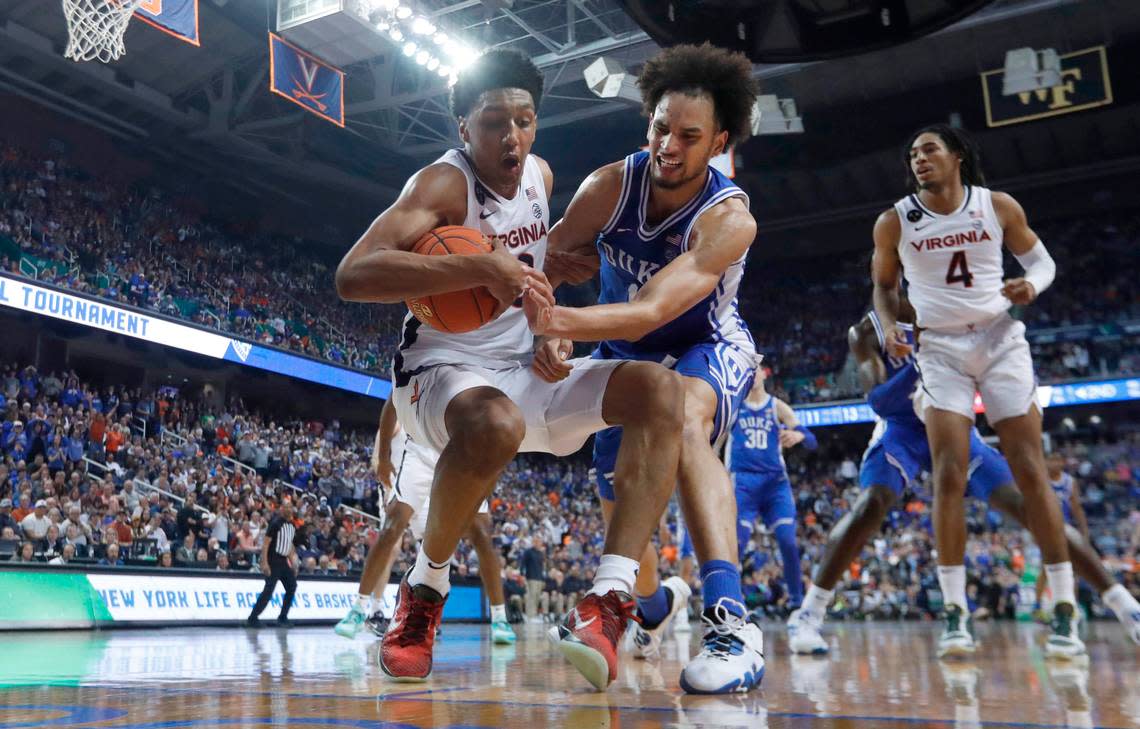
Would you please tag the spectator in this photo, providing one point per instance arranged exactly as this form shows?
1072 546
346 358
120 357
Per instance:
534 569
35 525
111 557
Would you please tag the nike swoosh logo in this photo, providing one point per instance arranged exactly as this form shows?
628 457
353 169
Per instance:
923 227
584 623
486 214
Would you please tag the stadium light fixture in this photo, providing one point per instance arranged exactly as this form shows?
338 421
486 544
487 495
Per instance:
422 26
608 79
1027 69
773 115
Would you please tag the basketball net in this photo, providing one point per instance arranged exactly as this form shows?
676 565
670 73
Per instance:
95 28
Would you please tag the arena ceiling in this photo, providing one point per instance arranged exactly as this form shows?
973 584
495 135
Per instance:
209 107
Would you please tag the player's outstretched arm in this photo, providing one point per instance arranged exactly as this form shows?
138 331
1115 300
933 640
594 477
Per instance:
793 433
382 448
886 271
380 267
861 341
718 240
571 254
1027 248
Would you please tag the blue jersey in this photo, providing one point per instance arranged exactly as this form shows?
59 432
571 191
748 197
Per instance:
755 441
1063 487
891 400
632 251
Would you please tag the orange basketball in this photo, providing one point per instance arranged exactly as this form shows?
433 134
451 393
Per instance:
457 311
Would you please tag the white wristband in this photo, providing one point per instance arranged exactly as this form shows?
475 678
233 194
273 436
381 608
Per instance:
1039 266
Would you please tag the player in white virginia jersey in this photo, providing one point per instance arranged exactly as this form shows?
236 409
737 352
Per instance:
946 239
474 397
406 469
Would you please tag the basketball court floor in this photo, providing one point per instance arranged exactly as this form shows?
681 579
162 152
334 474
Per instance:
879 675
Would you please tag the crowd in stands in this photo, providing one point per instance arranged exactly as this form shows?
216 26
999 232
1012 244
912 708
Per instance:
115 476
136 246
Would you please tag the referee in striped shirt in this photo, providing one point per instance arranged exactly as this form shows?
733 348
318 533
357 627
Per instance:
277 559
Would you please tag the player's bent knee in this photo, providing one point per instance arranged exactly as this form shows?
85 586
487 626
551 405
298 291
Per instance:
643 392
489 429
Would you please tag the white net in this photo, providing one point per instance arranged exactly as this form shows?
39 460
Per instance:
95 28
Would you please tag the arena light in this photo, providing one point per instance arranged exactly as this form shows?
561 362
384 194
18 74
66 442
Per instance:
444 70
440 39
422 57
422 26
608 79
1027 70
773 115
433 63
396 35
410 49
403 12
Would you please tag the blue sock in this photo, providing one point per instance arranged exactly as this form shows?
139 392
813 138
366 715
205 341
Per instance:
653 608
721 579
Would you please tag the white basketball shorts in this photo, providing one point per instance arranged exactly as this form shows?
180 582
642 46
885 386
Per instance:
412 484
990 357
559 416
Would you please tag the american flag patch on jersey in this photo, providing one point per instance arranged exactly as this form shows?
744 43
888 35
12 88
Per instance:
674 239
531 193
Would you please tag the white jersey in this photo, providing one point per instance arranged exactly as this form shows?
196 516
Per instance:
953 263
520 224
397 448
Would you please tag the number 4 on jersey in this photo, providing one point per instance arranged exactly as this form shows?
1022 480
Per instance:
959 271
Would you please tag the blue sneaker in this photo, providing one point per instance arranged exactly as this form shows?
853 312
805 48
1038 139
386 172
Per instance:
732 653
351 624
501 633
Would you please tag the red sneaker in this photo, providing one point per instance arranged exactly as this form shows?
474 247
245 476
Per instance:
589 635
405 652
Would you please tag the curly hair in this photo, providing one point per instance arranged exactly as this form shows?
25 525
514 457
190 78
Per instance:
497 69
959 143
724 75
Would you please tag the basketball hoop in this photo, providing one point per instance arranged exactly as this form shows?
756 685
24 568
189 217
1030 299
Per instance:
95 28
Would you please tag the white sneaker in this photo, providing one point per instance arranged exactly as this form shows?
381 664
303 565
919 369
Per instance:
732 653
957 638
803 633
1131 623
646 643
1064 643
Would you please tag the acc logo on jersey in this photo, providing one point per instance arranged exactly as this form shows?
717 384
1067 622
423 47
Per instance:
914 216
536 209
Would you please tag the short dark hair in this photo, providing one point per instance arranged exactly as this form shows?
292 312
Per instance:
724 75
959 143
497 69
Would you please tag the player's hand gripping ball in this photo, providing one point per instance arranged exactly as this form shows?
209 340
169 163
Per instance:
455 312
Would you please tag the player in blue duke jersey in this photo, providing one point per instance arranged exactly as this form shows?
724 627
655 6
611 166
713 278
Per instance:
670 234
764 427
897 455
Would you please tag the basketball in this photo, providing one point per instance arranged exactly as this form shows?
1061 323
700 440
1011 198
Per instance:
455 312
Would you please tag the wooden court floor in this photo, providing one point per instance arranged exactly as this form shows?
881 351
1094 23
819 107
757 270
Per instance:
881 675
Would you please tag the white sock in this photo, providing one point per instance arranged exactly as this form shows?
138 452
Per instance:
1120 601
952 580
1061 583
433 574
816 601
615 572
363 603
498 613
